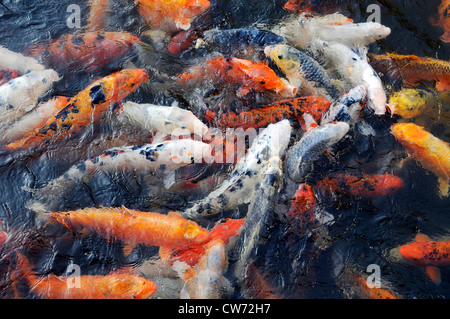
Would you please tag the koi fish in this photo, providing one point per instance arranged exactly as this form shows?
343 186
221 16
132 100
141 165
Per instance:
7 75
171 15
11 60
260 206
347 108
88 106
226 231
353 66
90 51
21 94
135 227
33 119
300 30
272 141
112 286
430 151
306 74
366 185
271 114
411 103
429 254
159 160
256 286
206 279
164 120
315 141
250 75
413 70
444 20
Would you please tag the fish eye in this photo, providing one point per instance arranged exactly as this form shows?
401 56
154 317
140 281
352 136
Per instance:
280 56
262 82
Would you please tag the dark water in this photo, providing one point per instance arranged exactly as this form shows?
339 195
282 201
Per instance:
363 232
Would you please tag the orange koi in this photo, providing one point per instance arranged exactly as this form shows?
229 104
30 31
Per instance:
90 51
6 75
430 151
86 107
366 185
224 231
170 15
316 106
136 227
112 286
250 75
429 254
413 70
444 20
373 292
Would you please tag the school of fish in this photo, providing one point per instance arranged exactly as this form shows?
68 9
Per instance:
256 118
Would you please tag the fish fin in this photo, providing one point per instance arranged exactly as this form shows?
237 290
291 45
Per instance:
443 187
125 211
421 238
165 253
309 121
445 37
128 248
434 273
84 232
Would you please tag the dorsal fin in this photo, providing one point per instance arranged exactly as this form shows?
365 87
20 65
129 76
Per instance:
421 238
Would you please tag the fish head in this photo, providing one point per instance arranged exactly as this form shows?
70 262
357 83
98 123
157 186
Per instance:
263 78
407 103
409 133
120 84
378 31
131 286
336 130
279 135
281 55
304 201
194 232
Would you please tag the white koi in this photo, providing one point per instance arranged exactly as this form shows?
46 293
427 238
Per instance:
17 61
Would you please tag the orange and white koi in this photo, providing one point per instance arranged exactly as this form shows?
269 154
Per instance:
251 76
206 279
134 227
170 15
430 151
21 94
444 20
11 60
90 51
33 119
87 107
112 286
413 70
429 254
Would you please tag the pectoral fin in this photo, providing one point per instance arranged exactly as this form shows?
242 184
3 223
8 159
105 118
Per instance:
434 273
443 187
